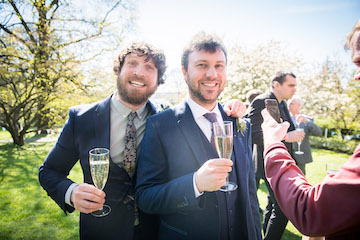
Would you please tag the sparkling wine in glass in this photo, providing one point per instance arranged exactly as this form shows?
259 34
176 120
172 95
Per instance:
99 167
299 142
223 137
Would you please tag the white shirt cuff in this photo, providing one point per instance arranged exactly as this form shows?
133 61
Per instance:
197 193
68 194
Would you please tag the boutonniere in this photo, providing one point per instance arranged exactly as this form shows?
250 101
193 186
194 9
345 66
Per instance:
241 126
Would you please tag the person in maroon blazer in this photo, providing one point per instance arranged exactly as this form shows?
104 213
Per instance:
330 208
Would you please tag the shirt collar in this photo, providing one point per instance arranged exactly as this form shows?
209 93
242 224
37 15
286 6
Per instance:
199 111
125 111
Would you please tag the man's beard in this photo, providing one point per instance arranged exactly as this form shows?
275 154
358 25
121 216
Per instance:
133 96
198 95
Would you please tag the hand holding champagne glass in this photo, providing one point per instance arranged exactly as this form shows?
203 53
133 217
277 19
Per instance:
99 167
223 137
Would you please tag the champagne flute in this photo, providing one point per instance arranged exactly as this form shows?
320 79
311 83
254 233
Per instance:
299 142
99 167
223 138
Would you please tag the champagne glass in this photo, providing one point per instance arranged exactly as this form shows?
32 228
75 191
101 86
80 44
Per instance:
332 168
299 142
99 167
223 138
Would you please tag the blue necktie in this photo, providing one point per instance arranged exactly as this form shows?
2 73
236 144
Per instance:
212 118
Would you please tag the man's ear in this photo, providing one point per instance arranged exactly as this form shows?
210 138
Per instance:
276 84
184 73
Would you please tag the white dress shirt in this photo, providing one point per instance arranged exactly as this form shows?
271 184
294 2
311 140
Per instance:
198 112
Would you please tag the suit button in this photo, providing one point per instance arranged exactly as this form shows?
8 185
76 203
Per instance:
231 211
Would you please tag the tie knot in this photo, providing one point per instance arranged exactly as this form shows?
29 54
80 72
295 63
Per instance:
132 116
211 117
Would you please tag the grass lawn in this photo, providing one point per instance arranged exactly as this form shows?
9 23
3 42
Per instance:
28 213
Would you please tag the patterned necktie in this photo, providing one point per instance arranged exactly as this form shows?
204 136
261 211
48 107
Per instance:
129 158
212 118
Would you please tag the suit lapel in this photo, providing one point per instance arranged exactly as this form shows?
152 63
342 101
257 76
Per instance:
102 123
238 140
192 133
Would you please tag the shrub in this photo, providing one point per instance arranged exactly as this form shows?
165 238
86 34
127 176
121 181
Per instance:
334 143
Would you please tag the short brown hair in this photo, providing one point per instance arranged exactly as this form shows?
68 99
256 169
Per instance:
156 55
202 41
280 77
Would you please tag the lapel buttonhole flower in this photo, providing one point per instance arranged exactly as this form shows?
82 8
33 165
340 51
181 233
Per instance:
241 126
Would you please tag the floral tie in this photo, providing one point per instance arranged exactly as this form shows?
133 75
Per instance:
212 118
129 159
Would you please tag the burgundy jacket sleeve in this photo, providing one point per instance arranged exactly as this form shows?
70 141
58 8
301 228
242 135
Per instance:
328 208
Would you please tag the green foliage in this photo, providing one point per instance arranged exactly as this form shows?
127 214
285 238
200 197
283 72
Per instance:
43 48
334 143
326 122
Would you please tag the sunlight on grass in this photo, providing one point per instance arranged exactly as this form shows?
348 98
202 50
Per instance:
26 210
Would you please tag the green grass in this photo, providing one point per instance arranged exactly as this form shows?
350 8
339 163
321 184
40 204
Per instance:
28 213
25 209
4 135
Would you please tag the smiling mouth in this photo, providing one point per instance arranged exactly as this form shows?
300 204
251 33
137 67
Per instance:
137 84
210 84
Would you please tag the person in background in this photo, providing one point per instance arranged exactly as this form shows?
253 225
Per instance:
310 129
252 94
283 87
330 208
179 172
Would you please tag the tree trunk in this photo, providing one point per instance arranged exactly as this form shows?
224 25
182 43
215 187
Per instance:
18 138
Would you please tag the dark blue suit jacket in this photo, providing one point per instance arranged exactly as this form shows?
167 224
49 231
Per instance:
88 127
172 150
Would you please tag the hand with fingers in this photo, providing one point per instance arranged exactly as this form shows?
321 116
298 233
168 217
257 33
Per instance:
235 108
87 198
212 174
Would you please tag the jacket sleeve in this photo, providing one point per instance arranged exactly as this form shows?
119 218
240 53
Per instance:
256 119
252 186
57 165
155 193
323 209
313 129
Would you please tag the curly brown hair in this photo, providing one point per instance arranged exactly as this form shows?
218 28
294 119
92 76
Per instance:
156 55
350 35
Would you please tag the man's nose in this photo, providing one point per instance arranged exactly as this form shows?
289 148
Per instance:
211 72
140 71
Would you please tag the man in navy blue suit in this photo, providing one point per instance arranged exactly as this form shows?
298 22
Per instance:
140 69
179 172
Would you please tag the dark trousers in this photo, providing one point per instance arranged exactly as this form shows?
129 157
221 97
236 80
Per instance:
275 221
302 167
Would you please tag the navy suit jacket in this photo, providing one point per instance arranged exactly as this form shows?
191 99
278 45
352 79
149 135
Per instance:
172 150
88 127
254 114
